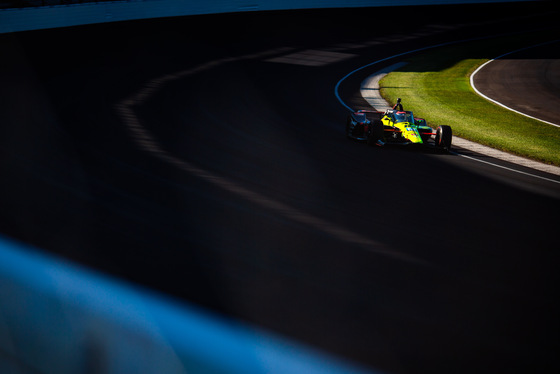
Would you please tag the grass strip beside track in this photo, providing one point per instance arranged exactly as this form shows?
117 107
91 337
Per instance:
435 85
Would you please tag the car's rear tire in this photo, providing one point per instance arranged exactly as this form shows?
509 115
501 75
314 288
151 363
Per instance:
444 137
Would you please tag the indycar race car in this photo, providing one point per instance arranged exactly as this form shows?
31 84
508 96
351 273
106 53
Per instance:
395 126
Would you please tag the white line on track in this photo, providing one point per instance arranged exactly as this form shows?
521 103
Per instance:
506 168
497 102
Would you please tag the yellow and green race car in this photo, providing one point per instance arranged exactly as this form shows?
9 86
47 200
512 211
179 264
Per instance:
397 126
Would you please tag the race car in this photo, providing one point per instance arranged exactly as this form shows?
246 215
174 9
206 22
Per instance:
396 126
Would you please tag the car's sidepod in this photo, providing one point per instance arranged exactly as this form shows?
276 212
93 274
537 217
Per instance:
409 132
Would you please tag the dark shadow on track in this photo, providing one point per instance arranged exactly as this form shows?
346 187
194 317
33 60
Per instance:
475 291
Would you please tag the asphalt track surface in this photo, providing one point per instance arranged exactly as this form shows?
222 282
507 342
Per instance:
213 167
527 81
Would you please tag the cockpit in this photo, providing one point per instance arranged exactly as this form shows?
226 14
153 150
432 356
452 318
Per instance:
403 116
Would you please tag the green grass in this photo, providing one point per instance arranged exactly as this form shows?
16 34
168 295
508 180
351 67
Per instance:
435 85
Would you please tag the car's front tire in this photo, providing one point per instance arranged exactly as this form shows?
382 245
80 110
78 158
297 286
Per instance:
376 133
444 137
348 128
